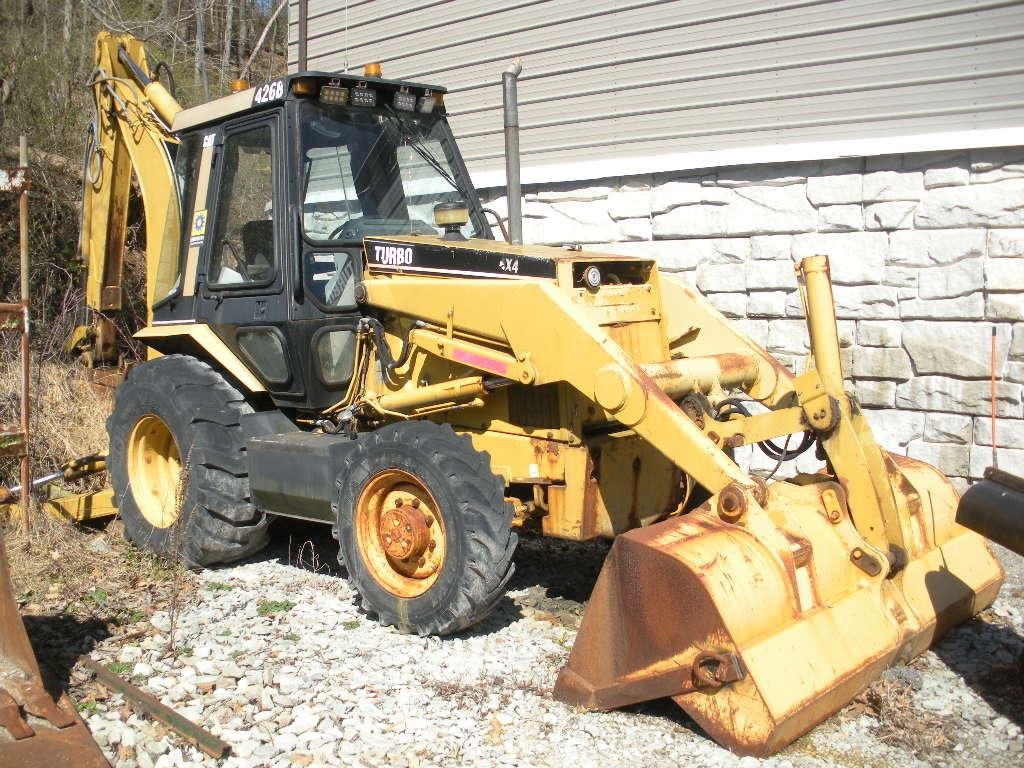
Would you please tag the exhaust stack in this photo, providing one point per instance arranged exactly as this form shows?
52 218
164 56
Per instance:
510 98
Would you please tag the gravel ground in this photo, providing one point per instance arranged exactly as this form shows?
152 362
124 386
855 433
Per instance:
275 657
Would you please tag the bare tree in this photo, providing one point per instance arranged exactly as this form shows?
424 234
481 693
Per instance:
68 12
225 64
262 37
201 49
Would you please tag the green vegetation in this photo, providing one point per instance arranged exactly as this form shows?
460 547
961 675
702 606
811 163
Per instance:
97 597
273 607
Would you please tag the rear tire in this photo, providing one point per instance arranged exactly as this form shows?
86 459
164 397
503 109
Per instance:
424 529
178 466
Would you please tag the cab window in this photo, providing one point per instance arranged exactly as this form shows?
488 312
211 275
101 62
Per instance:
243 245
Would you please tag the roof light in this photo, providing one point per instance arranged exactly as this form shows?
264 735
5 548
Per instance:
405 101
372 69
334 94
239 84
427 102
362 96
304 86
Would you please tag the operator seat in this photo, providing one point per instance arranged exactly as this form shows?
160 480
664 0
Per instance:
258 247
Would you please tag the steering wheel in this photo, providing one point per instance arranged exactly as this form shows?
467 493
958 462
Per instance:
239 264
340 230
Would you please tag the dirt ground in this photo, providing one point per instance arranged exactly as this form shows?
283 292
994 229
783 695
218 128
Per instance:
85 591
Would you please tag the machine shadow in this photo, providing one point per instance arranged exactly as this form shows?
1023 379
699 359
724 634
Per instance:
59 641
557 576
987 656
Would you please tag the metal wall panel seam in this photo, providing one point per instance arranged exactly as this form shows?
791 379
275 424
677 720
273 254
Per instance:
654 100
556 21
774 126
771 38
720 74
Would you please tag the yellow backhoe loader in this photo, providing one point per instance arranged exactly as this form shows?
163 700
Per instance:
341 340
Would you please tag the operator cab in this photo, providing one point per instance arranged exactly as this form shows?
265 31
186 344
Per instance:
279 185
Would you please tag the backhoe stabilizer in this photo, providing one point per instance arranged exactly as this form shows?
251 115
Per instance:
762 629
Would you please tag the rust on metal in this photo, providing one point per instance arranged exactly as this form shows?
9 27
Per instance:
729 370
405 531
760 490
732 503
737 623
189 730
55 737
713 670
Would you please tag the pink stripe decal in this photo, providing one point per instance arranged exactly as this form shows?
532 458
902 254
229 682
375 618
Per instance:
479 361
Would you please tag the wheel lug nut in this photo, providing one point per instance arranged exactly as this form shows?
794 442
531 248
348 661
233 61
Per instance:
416 503
429 521
432 545
421 562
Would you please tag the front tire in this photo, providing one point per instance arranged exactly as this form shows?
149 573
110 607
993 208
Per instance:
177 463
424 529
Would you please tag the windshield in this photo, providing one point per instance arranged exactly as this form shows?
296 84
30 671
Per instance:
375 173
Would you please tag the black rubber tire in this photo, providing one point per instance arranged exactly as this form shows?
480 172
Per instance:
217 522
478 526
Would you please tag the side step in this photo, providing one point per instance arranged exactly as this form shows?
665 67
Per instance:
293 474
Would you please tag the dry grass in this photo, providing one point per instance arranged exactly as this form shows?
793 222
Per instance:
900 721
68 413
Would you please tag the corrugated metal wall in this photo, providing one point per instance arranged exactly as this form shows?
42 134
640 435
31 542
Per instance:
614 87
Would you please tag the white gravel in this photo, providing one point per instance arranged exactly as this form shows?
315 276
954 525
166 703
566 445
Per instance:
319 684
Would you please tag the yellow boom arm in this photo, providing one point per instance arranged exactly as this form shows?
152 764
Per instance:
131 133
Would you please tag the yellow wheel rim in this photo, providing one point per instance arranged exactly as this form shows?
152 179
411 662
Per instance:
400 533
154 471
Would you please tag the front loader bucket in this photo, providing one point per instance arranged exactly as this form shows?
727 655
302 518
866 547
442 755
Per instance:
35 728
761 629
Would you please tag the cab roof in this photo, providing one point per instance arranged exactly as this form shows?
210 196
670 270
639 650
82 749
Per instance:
269 93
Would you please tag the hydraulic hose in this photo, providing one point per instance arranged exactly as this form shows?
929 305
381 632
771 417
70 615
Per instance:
770 449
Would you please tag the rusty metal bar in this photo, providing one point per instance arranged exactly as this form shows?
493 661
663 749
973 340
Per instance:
196 734
26 475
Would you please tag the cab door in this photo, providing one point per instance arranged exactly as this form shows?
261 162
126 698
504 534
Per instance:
241 285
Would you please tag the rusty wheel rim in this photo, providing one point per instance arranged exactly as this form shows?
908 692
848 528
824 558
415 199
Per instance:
400 533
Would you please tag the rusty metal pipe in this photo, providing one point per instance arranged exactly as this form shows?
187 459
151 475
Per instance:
26 473
821 322
994 507
196 734
731 370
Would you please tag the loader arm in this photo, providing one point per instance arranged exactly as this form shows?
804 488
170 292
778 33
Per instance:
770 605
130 136
559 340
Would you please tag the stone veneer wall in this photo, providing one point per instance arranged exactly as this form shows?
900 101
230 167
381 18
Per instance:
927 254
